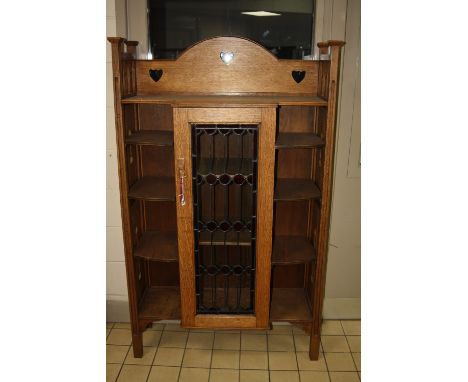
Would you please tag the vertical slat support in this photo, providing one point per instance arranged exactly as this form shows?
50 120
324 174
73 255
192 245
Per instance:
334 48
183 152
265 190
117 52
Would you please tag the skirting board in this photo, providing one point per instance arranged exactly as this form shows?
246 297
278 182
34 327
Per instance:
333 309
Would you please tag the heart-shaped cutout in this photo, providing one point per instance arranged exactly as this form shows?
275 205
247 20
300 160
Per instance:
298 75
226 57
156 74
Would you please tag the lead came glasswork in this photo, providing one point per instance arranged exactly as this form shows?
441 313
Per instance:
224 184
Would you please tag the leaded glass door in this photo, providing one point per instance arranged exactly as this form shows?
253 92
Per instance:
224 164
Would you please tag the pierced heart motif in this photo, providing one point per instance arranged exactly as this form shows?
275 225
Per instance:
298 75
156 74
226 57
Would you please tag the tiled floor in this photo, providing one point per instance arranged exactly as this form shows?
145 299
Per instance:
173 354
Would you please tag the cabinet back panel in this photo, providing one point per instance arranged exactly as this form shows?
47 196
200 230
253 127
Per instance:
157 161
296 119
294 163
291 218
155 117
288 276
163 274
161 216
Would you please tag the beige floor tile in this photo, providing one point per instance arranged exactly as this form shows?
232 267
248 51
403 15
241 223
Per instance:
190 374
116 353
254 376
283 376
225 359
133 373
280 343
281 329
119 337
174 328
122 325
332 328
340 362
227 341
314 376
224 375
173 339
357 360
298 330
200 340
253 342
112 371
202 330
351 328
169 357
107 332
354 343
109 325
304 362
151 337
334 344
157 326
197 358
164 374
344 376
253 360
282 360
254 331
147 359
301 342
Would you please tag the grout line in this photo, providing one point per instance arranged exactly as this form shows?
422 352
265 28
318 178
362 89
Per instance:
295 353
323 354
154 357
122 364
183 355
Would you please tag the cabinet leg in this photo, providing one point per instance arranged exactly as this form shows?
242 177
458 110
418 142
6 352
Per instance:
314 347
137 345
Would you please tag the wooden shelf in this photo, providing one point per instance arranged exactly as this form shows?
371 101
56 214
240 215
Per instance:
259 100
160 303
296 189
153 188
289 304
157 246
292 250
298 140
151 137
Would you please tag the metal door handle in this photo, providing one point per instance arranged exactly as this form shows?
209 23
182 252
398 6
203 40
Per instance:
182 177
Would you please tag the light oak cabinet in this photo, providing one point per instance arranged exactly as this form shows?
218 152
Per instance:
225 169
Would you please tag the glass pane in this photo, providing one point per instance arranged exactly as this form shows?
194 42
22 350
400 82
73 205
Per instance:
224 180
282 26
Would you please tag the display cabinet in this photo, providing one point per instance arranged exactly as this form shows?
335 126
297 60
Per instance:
225 168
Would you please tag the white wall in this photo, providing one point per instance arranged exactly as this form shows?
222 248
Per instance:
116 283
341 20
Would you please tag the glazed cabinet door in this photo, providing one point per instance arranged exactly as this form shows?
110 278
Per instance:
224 170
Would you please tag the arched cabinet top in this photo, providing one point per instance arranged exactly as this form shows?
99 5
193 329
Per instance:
230 66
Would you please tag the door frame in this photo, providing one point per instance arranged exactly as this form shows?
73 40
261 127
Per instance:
266 120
